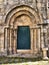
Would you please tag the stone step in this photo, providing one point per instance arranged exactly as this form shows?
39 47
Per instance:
25 55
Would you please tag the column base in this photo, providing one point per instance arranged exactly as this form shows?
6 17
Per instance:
5 51
45 58
14 52
45 53
10 51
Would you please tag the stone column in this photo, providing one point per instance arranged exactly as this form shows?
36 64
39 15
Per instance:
31 36
45 46
10 48
44 49
35 49
5 40
42 38
15 41
38 39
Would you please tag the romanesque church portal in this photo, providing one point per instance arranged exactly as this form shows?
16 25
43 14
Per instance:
23 29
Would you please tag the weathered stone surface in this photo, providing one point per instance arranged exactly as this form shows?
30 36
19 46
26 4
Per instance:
1 1
30 13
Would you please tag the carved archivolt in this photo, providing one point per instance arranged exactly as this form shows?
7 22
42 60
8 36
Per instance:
20 11
22 16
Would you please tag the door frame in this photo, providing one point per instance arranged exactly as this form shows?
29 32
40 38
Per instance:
31 50
15 42
25 50
20 31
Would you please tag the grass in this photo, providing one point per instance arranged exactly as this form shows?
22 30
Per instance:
11 60
17 59
30 63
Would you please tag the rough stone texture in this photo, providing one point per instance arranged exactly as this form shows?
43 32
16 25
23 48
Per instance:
40 14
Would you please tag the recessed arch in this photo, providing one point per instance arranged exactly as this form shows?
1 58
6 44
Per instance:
23 9
23 15
23 20
12 21
14 17
19 13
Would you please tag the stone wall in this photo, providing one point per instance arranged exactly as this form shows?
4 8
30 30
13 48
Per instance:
7 5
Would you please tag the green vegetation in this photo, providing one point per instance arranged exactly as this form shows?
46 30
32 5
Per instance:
4 60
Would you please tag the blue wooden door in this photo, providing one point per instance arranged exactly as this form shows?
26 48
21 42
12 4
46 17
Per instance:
23 37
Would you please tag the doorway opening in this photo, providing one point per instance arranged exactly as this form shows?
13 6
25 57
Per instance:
23 38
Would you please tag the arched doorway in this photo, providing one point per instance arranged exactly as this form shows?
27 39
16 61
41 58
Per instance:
18 19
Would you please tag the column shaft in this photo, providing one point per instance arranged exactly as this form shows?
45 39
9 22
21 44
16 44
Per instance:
31 40
35 49
15 41
10 49
5 40
38 39
42 38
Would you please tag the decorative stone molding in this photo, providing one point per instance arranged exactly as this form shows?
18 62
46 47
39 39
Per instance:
28 17
20 9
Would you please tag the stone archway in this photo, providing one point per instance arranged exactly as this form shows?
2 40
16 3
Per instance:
22 16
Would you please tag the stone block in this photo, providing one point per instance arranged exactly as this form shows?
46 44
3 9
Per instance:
0 17
10 2
1 1
45 53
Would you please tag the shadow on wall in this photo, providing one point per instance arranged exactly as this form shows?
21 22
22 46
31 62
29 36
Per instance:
48 52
